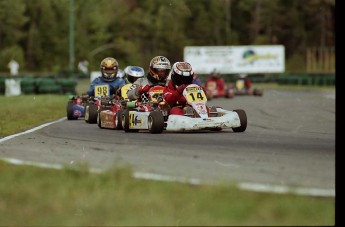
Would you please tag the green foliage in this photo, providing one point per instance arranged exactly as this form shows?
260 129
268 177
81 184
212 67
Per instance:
36 33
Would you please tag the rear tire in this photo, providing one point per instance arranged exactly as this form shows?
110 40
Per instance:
118 119
70 111
156 122
86 112
243 119
99 120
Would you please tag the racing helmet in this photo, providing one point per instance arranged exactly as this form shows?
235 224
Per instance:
132 73
181 73
159 69
109 67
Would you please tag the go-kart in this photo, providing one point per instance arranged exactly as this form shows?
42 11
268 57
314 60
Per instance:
197 118
87 106
111 109
76 106
148 114
240 89
214 90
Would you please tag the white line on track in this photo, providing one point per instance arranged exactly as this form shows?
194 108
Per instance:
257 187
31 130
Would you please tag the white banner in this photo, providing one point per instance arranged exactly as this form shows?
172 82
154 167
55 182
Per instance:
236 59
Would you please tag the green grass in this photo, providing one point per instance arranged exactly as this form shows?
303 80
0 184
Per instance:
31 196
19 113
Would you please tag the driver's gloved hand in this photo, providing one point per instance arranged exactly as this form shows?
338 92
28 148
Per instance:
144 89
182 100
181 88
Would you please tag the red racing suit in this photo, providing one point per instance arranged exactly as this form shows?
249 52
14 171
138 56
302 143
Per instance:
216 86
174 97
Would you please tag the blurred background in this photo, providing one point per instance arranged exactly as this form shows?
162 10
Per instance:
53 37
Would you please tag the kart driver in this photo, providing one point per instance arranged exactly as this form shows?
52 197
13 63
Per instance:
246 81
130 74
181 76
157 75
109 68
216 83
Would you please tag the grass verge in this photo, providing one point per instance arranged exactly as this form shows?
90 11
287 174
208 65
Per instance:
19 113
75 197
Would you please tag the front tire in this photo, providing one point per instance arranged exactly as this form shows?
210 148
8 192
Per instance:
93 113
156 122
243 119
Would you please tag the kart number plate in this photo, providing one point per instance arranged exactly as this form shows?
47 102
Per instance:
155 94
195 94
102 90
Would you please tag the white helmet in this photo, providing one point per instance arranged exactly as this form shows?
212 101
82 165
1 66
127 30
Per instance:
132 73
181 73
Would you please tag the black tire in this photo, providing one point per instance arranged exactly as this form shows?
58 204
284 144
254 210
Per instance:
70 112
125 122
118 119
93 113
99 120
156 122
90 112
243 119
86 112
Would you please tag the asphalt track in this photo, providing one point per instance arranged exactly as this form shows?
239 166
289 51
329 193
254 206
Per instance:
289 141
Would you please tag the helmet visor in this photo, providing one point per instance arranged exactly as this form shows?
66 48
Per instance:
109 73
162 73
183 80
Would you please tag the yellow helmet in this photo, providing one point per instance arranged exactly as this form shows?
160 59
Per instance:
109 67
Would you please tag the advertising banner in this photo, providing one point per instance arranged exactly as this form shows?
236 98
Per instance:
236 59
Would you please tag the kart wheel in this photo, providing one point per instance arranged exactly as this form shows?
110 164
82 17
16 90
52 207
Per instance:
86 113
118 119
93 113
99 120
70 112
156 122
125 122
243 119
